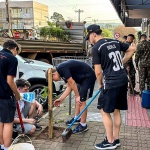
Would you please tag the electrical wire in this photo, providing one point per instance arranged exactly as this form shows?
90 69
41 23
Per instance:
69 10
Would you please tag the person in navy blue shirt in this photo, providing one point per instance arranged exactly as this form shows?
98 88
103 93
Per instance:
80 78
112 78
8 91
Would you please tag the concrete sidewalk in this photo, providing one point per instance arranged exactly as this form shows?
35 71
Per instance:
133 136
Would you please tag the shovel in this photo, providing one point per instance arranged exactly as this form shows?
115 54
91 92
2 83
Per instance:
68 131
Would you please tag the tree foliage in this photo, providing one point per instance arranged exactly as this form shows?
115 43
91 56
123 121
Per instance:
51 24
57 17
108 26
44 31
139 35
122 30
52 32
106 33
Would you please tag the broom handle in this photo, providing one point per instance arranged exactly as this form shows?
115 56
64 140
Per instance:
20 117
84 109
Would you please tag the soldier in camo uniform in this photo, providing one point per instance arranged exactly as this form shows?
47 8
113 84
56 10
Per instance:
142 61
130 67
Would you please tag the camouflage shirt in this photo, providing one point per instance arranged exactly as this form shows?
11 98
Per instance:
142 54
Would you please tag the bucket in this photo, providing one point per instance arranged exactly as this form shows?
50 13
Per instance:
22 146
146 99
27 145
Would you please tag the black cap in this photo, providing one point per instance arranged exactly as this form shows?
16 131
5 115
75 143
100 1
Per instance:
92 28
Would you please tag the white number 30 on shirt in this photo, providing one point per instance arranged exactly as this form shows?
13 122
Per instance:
116 56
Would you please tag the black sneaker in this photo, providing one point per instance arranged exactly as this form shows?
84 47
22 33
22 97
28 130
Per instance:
106 145
71 120
117 141
79 129
38 127
1 148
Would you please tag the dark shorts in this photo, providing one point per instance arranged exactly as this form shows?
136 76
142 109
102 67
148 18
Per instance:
86 89
111 99
7 110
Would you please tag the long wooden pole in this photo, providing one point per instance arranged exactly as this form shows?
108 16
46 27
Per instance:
50 103
8 12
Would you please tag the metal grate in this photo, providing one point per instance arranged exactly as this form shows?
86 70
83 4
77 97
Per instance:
57 60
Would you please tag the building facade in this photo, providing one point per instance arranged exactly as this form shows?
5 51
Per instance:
25 15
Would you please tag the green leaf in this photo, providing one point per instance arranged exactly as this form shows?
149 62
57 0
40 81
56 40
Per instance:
45 93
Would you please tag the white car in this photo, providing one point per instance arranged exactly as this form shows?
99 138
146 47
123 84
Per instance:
34 72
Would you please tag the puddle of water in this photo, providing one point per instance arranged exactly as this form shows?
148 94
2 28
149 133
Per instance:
98 117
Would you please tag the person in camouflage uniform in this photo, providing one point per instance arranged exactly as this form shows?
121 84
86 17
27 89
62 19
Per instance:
130 67
142 61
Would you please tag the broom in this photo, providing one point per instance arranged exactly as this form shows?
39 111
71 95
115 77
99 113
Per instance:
68 131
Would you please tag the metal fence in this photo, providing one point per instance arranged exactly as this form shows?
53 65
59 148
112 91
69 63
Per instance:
57 60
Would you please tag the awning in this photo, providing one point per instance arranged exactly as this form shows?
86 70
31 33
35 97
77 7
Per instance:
131 12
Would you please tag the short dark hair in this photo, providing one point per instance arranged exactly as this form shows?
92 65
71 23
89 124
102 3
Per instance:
131 35
143 36
21 83
125 37
11 44
53 71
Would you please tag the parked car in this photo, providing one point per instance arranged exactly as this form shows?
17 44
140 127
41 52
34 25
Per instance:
34 72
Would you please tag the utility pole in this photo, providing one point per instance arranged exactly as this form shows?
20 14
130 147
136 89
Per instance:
8 18
79 11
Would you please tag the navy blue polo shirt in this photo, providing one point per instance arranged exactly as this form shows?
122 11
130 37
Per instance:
8 66
107 53
78 70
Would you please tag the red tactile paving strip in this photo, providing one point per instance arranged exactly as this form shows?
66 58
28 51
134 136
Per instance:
136 115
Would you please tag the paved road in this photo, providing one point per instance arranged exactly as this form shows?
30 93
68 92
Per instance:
133 136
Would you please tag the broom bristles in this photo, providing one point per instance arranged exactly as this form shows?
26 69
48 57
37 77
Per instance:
66 135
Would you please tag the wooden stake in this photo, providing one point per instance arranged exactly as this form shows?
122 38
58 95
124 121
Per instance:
50 103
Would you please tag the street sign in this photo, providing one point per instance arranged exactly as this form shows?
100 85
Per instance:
16 35
116 35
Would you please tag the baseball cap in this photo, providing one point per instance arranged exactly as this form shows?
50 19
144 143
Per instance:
92 28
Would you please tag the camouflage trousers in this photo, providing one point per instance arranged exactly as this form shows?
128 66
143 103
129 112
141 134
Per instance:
132 78
144 76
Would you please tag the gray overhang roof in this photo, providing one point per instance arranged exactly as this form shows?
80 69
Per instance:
136 10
